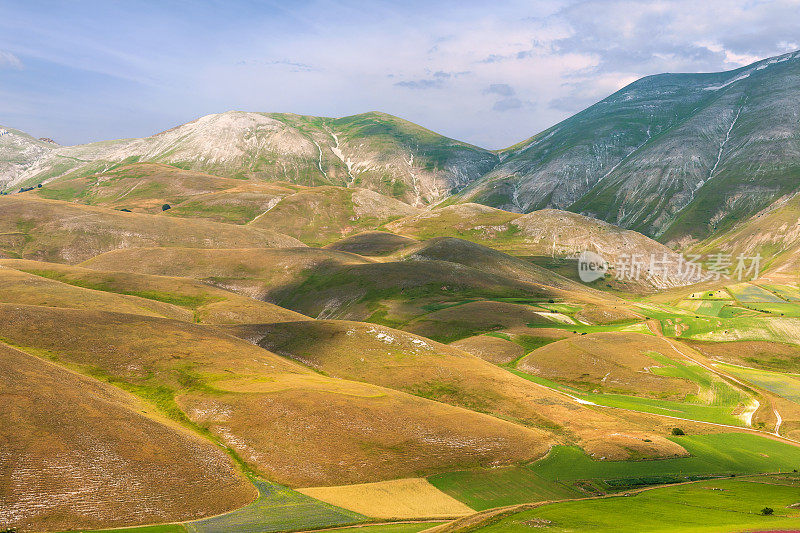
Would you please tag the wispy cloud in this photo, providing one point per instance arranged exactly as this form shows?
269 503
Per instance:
292 66
9 60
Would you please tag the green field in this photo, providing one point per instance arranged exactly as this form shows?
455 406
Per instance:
757 327
781 384
746 292
720 411
497 487
776 308
705 307
708 506
277 509
787 292
567 472
720 294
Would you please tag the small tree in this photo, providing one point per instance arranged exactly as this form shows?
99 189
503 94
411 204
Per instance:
766 511
678 431
165 207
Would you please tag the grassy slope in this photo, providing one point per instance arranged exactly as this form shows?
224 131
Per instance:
171 297
372 243
391 358
90 455
322 215
272 413
63 232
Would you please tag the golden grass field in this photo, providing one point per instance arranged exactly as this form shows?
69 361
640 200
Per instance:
166 296
492 349
395 359
396 499
273 412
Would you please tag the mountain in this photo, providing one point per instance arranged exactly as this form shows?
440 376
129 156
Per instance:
18 152
671 155
677 157
773 233
372 150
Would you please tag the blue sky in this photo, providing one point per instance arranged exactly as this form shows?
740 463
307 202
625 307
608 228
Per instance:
491 73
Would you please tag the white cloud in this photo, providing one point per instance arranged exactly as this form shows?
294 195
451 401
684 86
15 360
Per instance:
9 60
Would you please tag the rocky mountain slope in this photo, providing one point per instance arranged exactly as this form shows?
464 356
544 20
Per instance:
671 155
372 150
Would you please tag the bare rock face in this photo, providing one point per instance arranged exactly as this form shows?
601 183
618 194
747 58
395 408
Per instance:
669 155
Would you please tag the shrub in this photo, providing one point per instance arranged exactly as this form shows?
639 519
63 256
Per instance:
165 207
766 511
678 431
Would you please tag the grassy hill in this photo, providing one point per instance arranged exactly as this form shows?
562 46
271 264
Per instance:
321 215
271 413
372 243
395 359
315 215
57 285
52 230
548 237
85 454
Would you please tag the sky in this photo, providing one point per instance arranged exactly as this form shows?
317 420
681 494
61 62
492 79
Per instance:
489 73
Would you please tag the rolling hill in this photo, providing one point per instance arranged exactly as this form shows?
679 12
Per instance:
58 231
546 235
88 455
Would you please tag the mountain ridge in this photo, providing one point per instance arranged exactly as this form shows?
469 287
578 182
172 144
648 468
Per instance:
640 158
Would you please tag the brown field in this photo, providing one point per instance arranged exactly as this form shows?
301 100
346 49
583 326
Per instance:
392 358
272 412
78 453
397 499
492 349
170 297
608 362
63 232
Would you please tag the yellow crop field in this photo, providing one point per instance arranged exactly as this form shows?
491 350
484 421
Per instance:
396 499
